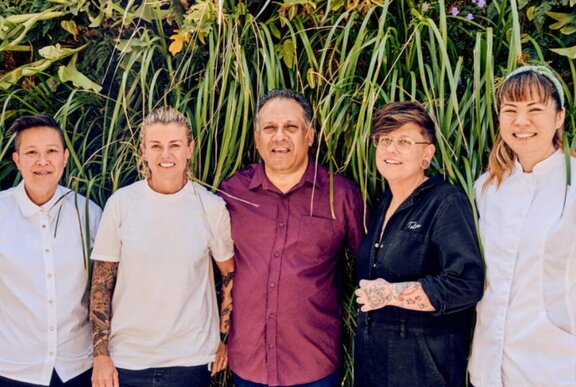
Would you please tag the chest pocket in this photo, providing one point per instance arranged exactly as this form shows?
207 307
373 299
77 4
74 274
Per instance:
403 256
318 238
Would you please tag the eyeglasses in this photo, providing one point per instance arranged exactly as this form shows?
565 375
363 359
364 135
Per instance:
403 144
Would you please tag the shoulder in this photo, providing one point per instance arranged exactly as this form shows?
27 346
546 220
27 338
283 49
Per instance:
7 194
444 190
81 201
207 197
241 179
8 201
341 183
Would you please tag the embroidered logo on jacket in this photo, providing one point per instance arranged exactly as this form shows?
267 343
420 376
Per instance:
414 225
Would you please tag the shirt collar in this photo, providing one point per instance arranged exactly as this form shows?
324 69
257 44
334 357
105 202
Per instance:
259 178
29 208
549 164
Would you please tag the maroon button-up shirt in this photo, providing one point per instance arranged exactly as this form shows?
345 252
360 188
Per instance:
286 321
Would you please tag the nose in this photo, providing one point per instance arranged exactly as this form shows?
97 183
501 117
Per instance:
42 159
391 145
165 151
280 134
521 118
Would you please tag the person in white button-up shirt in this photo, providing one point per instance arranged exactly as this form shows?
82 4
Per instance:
44 330
526 326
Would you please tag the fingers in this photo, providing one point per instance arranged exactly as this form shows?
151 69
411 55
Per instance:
221 360
104 374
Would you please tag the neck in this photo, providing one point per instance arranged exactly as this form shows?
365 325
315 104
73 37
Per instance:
40 198
530 160
167 186
285 181
402 189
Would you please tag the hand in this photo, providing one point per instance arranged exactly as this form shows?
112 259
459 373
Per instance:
221 361
104 373
373 294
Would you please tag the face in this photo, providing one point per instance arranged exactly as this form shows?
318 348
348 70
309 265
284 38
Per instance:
528 127
397 167
283 137
41 158
166 150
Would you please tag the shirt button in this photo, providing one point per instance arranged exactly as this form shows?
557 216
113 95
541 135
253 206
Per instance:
52 328
270 346
276 254
374 265
271 315
51 353
50 302
49 275
46 250
272 285
281 225
43 226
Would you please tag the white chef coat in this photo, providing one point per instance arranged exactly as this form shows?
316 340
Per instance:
43 278
526 331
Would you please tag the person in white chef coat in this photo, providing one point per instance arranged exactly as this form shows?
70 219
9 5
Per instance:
526 325
45 337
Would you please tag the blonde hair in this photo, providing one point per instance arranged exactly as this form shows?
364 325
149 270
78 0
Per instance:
164 115
520 86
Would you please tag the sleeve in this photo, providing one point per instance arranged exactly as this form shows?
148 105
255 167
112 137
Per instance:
107 244
454 239
356 213
95 215
221 245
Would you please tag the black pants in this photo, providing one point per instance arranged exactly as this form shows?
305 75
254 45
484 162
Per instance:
82 380
396 355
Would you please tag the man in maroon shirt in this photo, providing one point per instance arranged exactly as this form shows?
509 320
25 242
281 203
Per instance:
291 221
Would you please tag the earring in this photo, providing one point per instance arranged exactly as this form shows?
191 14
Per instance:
425 163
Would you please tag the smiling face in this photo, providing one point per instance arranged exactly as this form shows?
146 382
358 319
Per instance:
404 168
41 158
283 137
166 149
528 127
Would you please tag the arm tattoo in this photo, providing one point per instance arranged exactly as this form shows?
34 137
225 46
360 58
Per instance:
103 282
227 279
410 295
226 307
380 293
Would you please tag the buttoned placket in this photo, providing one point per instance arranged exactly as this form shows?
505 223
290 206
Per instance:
51 322
510 267
283 211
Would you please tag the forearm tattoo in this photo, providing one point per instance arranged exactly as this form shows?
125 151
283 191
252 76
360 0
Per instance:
103 282
379 293
226 307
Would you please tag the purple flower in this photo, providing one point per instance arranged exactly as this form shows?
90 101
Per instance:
455 11
470 16
480 3
474 1
425 7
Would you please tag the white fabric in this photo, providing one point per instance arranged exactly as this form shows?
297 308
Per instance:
526 332
164 308
42 281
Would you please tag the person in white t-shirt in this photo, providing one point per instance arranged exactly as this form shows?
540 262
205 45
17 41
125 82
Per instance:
153 303
44 328
526 324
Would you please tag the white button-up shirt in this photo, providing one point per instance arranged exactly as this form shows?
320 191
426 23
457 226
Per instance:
526 328
43 279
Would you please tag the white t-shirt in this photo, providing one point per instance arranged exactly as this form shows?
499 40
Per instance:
164 308
43 277
526 328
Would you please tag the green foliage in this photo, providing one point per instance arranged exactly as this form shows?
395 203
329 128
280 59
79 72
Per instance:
99 66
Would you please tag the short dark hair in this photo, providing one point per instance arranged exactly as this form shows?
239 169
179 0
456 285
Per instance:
38 120
393 115
289 94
